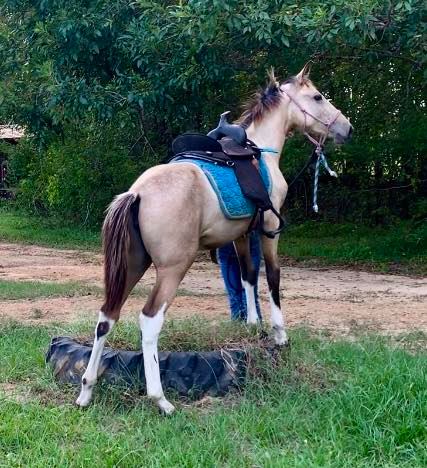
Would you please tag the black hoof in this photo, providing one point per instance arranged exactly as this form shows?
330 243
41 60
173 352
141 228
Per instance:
263 335
283 346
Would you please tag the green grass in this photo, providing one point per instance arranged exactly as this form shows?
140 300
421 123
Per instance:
13 290
17 226
328 403
402 247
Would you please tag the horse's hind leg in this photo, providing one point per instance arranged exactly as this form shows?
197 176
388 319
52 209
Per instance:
151 322
103 327
138 263
248 275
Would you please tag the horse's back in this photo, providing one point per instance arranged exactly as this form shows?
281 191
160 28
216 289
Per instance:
166 177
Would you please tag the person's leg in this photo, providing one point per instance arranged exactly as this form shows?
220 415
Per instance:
255 249
230 270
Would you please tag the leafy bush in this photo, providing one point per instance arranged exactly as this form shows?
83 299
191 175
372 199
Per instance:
75 177
167 67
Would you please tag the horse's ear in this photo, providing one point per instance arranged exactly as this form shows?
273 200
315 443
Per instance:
304 74
273 84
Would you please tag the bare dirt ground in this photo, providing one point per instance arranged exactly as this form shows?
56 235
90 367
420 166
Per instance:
341 301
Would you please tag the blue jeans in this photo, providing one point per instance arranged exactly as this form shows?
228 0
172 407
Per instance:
230 270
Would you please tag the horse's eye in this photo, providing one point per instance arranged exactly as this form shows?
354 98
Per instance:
317 97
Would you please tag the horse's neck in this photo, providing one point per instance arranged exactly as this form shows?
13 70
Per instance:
270 132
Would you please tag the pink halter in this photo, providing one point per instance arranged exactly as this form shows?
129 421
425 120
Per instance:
305 112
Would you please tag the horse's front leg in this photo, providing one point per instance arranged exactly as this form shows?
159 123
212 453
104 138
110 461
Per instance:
272 268
248 275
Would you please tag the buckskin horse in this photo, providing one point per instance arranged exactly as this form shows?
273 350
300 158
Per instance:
171 212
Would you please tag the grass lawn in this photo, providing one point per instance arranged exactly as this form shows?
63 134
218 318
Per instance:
401 248
16 226
14 290
328 403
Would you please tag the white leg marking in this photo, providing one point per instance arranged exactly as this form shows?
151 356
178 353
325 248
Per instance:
90 376
151 327
277 324
250 303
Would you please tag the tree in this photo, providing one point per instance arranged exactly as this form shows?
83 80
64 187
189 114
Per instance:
163 67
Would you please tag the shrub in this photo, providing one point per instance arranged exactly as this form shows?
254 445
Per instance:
76 176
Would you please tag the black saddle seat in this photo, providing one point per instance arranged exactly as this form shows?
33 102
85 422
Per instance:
247 151
196 142
189 142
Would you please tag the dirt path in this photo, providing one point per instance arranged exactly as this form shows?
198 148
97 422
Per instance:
332 299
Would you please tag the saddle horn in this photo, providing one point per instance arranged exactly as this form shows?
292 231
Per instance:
226 129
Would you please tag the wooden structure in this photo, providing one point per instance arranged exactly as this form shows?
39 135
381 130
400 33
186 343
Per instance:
11 135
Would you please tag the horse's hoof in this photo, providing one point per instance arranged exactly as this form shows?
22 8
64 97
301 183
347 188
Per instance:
280 337
285 345
84 398
82 402
263 335
165 407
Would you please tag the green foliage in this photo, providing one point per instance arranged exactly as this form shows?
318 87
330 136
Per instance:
173 56
69 68
76 175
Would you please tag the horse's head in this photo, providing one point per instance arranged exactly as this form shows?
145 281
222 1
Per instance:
310 112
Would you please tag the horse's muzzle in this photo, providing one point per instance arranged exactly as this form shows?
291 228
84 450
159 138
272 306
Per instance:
341 138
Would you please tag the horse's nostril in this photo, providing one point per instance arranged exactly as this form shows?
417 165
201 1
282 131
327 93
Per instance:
350 131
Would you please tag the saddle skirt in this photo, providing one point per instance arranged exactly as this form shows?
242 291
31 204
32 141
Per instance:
223 181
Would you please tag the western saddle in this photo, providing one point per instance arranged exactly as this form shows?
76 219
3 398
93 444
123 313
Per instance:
228 145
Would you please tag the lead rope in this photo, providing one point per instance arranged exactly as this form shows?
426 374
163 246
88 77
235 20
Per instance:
316 184
321 159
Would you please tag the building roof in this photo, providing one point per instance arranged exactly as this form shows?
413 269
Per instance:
11 132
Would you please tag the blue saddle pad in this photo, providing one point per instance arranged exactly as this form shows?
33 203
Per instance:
223 179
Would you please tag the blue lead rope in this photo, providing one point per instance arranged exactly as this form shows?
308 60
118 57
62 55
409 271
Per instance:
321 159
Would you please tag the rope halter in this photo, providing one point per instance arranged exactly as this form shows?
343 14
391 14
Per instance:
317 143
321 158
